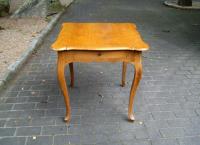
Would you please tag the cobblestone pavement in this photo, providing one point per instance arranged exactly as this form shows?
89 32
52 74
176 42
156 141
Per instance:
167 104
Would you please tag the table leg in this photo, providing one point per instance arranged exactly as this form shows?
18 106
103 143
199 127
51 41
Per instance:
63 86
124 67
136 80
71 67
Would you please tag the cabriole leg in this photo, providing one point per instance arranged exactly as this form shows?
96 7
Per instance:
63 86
136 80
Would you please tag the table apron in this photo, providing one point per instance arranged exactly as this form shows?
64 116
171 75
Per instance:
99 56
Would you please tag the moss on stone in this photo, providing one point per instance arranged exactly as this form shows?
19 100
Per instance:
55 6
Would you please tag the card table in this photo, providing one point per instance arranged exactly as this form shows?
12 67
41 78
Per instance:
99 42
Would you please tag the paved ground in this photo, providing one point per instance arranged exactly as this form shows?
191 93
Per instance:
167 105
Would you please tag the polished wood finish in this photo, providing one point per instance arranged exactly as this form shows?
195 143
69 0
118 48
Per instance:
79 51
99 36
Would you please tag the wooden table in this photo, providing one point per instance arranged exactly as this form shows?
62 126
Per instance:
99 42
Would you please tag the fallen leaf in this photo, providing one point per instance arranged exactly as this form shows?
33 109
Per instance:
101 100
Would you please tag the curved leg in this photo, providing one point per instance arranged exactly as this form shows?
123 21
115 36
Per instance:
136 80
63 86
71 67
124 74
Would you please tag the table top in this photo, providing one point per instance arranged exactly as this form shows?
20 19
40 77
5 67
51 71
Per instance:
99 36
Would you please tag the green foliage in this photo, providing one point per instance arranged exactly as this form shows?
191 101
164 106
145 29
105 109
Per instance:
4 2
4 7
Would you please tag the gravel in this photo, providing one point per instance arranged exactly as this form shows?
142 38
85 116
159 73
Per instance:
15 36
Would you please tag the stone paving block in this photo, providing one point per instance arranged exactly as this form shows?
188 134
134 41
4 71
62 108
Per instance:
42 121
197 111
24 106
141 134
124 126
53 130
185 114
37 99
55 112
18 122
143 116
165 142
138 142
13 141
28 131
189 140
16 100
75 129
179 122
156 100
47 105
156 124
12 94
4 107
101 138
177 132
190 105
164 107
34 113
110 142
40 140
153 133
66 139
8 114
7 131
48 93
195 121
2 123
126 136
193 130
107 129
88 139
74 139
20 88
179 99
28 93
163 115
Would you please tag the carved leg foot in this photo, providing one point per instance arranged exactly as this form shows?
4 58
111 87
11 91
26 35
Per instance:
67 118
131 117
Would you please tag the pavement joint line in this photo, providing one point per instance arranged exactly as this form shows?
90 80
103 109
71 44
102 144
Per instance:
33 45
